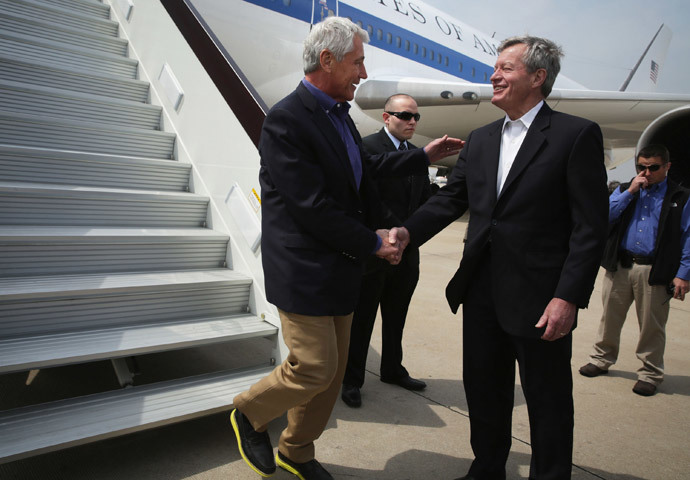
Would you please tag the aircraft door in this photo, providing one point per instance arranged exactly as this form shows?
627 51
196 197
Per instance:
323 8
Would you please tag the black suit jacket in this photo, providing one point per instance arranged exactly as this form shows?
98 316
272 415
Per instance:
317 227
401 194
546 231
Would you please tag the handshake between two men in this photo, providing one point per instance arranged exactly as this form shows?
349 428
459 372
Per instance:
394 241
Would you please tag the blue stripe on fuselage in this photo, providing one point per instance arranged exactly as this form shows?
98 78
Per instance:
391 38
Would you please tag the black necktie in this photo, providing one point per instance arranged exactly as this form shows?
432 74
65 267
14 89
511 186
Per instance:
402 146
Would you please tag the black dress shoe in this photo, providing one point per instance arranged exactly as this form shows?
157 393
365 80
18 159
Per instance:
406 382
351 396
311 470
466 477
255 447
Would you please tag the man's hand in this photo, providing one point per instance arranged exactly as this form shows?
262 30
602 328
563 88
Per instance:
390 249
680 288
443 147
402 235
558 318
640 181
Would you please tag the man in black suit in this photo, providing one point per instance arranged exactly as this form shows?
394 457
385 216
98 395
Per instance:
319 211
391 286
535 186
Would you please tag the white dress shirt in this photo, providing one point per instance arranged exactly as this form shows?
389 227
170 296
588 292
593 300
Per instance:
514 132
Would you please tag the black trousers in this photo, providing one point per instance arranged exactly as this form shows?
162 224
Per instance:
489 357
390 286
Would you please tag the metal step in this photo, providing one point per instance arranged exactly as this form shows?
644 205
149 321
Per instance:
16 45
43 204
34 251
42 351
24 164
73 79
43 428
47 305
101 253
64 16
56 103
86 7
34 131
15 23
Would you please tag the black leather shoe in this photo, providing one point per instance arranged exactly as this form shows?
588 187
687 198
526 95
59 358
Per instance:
406 382
311 470
255 447
466 477
351 396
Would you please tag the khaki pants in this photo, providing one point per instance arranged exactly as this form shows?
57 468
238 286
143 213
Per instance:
620 289
305 385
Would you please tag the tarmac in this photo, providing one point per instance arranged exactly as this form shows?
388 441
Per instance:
398 434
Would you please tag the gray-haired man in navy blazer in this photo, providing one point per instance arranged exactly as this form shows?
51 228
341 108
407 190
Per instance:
320 210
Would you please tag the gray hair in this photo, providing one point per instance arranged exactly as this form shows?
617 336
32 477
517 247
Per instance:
540 53
335 34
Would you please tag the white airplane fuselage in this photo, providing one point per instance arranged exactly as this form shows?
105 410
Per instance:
416 49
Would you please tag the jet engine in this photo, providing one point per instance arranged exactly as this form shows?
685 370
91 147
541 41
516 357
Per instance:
672 129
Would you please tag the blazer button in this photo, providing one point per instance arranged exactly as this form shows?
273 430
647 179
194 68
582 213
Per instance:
494 222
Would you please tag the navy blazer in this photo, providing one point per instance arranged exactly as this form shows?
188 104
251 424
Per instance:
317 227
547 229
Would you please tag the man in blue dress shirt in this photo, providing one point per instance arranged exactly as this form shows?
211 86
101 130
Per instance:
647 259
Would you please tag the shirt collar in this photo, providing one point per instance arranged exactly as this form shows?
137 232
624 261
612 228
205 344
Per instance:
657 188
395 141
325 100
527 118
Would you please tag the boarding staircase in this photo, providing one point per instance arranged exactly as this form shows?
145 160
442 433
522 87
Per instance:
104 251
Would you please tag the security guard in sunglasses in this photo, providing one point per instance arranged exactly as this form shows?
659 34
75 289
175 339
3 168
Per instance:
390 286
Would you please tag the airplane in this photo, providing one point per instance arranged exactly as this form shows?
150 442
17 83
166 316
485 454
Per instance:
445 65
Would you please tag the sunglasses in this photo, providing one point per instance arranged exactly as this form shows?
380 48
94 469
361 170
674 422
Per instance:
652 168
406 116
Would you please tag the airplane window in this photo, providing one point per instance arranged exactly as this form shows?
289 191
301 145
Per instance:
440 59
423 51
379 34
460 67
485 77
446 61
407 45
287 2
389 38
370 30
474 72
431 54
416 49
359 24
398 42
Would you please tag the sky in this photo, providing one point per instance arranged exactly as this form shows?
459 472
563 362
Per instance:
602 39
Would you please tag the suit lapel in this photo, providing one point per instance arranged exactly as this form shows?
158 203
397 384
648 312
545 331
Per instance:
531 145
326 127
386 143
492 153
